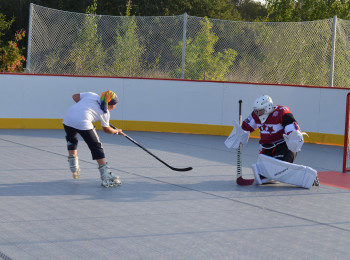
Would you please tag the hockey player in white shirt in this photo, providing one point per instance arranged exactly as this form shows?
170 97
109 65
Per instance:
89 108
280 140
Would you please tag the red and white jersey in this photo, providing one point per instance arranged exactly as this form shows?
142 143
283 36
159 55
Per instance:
280 121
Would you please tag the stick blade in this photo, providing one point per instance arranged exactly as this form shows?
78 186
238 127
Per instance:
181 169
244 182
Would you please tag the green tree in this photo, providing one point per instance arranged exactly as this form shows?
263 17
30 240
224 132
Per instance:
127 51
250 10
4 26
306 10
218 9
201 60
297 53
280 11
11 58
87 52
306 58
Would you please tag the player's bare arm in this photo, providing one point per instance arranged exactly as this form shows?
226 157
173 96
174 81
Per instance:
110 130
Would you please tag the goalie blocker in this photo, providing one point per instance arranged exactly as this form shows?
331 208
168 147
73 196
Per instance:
277 170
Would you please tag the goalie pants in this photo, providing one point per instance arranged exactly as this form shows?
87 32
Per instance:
280 152
90 137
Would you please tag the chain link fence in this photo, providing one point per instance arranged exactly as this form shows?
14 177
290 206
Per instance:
298 53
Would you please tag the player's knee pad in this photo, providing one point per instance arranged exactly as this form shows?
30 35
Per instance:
72 144
290 173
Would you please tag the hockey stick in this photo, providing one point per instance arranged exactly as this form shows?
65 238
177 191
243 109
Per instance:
143 148
240 181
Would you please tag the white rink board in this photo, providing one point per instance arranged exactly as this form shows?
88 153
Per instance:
318 110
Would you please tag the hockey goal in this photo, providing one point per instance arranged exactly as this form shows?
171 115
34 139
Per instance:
346 157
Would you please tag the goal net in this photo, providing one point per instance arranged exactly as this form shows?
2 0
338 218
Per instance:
346 158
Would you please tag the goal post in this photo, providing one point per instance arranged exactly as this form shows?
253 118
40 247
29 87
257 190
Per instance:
346 157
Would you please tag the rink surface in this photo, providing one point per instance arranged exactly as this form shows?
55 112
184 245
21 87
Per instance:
161 214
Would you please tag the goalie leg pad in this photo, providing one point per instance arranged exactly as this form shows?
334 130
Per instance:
299 175
257 176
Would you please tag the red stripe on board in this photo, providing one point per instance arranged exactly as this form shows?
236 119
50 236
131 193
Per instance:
335 179
213 81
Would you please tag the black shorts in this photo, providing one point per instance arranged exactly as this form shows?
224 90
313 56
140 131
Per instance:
280 152
90 137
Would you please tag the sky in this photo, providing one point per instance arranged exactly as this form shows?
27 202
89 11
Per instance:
261 1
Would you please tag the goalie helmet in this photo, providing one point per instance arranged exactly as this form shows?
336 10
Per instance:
263 107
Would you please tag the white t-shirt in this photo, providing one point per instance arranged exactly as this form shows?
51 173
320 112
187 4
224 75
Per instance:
85 112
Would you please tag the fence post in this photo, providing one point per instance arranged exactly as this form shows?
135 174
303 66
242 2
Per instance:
29 38
334 31
183 46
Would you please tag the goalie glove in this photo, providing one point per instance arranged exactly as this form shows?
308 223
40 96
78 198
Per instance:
237 136
294 140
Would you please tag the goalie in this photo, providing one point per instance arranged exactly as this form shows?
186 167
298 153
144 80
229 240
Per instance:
280 140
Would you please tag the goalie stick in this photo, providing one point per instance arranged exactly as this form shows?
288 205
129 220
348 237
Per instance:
143 148
240 181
